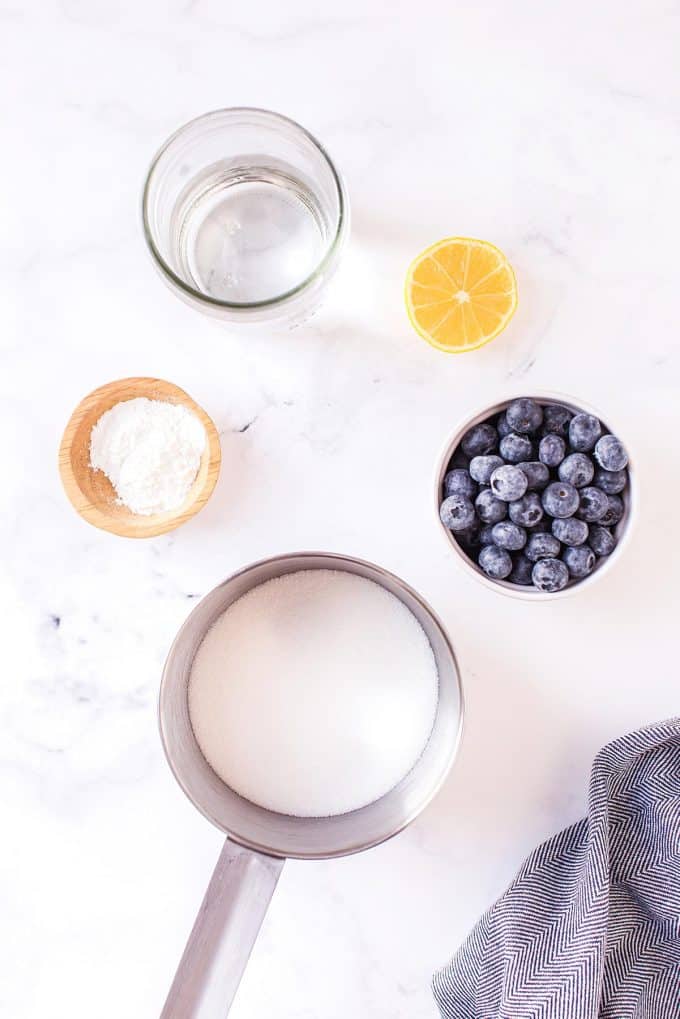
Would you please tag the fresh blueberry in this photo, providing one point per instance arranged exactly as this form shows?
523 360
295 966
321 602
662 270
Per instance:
524 415
514 448
560 499
509 535
584 431
457 513
503 426
610 454
521 570
495 562
469 538
459 459
570 531
459 482
542 546
601 540
537 473
482 467
556 420
542 527
614 511
526 511
594 503
490 509
577 469
480 440
611 482
509 483
579 560
551 450
486 535
550 575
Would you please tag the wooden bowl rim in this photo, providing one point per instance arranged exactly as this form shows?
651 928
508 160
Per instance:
133 525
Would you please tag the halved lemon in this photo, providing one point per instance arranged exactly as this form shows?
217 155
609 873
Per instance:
460 293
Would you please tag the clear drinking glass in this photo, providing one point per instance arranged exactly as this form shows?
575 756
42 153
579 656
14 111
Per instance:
245 216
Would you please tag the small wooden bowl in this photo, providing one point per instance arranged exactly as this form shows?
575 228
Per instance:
92 494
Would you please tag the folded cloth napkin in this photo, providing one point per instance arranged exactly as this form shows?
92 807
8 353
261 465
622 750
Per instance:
590 927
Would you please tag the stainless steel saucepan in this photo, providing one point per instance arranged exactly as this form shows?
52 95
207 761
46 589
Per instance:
259 840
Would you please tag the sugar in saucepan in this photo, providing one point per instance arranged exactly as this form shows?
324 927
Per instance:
314 694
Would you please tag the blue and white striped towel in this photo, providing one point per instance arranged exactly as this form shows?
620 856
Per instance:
590 927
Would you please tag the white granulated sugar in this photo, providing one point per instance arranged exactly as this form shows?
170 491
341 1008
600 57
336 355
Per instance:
150 451
314 693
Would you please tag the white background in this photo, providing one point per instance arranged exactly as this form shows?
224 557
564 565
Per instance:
549 129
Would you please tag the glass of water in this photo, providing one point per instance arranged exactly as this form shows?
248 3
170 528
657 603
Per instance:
245 216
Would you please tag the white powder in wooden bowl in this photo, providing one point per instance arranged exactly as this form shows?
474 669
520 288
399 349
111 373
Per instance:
150 451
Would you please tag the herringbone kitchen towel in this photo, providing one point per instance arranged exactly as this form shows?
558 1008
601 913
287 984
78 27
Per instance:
590 928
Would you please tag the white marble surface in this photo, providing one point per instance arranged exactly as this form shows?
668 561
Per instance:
551 130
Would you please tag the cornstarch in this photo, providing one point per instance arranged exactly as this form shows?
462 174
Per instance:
150 451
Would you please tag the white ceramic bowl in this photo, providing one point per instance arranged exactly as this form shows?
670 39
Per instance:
622 529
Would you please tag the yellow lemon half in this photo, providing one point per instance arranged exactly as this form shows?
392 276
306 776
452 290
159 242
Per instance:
460 293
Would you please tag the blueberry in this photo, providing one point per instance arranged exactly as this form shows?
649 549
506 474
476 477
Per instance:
542 527
542 546
480 440
610 454
495 562
486 535
509 535
601 540
503 426
594 503
614 511
514 448
556 420
526 511
490 509
579 560
560 499
577 469
611 482
459 482
550 575
584 431
524 415
509 483
457 513
551 450
469 538
521 571
570 531
482 467
537 473
459 459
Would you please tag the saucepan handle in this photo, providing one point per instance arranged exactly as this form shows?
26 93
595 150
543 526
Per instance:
223 935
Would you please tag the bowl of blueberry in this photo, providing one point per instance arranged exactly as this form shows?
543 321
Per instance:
535 494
